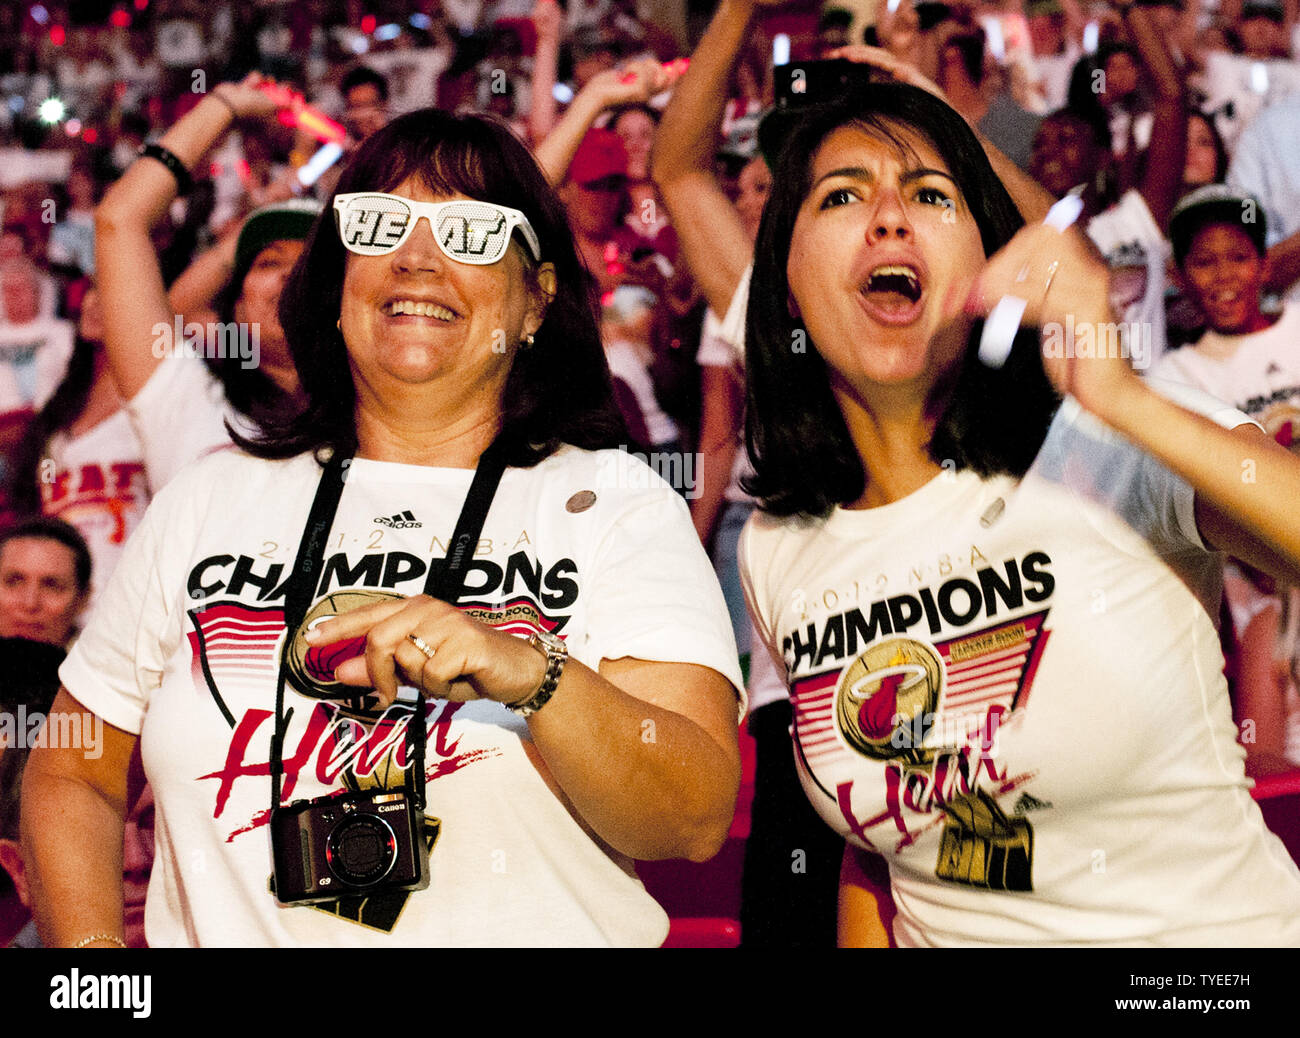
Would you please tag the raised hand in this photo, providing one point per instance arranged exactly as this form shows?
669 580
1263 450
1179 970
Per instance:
1065 285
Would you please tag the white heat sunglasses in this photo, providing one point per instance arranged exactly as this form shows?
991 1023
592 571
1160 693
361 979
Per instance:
373 223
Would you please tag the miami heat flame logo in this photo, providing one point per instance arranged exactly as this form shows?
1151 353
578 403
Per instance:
310 668
882 693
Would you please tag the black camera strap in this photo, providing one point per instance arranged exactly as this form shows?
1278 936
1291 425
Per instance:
447 583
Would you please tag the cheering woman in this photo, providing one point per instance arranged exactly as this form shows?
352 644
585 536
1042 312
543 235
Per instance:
441 519
992 589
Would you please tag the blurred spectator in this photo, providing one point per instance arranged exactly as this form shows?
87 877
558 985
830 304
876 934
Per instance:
1055 51
636 125
1266 164
595 195
72 239
412 71
1248 359
627 314
45 573
80 459
34 349
365 100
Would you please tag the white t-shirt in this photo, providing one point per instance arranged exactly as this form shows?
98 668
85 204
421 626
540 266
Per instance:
627 362
1258 373
99 487
591 546
1250 85
1136 251
180 415
412 76
33 360
1009 690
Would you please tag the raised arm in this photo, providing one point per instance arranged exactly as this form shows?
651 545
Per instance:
72 823
1246 485
127 269
637 81
711 234
548 20
1162 180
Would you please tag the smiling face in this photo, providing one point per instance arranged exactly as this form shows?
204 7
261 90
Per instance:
1225 276
884 253
1064 155
415 317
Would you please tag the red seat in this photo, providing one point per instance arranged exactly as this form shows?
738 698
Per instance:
1278 797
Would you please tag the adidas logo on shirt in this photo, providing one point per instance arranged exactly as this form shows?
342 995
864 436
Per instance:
401 521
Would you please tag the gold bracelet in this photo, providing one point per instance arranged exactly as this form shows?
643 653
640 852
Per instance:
99 937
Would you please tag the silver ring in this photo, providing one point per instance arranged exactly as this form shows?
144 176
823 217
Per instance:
422 645
1051 273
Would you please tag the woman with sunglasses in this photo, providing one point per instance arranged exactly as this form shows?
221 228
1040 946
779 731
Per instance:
579 697
994 606
208 349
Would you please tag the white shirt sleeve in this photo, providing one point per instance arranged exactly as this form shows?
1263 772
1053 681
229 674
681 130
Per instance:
1101 466
118 661
179 416
654 595
733 324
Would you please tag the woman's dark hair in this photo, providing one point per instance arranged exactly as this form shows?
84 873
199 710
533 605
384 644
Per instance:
250 391
1082 101
992 421
558 390
617 113
1220 149
64 407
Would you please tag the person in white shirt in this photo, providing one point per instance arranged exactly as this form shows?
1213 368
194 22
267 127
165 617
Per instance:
186 380
994 606
576 679
1249 359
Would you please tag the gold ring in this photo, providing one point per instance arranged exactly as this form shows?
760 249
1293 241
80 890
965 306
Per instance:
422 645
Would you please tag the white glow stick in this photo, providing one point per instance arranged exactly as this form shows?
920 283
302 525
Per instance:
1003 321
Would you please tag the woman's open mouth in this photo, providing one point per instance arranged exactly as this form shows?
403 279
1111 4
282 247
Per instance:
892 294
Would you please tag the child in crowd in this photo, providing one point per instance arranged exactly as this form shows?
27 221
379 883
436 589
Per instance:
1250 359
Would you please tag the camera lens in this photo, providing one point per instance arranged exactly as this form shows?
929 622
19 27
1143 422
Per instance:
361 850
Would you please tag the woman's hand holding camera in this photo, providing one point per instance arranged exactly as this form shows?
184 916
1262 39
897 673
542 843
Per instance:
457 657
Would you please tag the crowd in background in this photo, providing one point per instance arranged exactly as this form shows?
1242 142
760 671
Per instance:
1075 97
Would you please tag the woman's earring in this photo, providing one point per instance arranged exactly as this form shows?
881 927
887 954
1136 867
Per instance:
339 325
527 341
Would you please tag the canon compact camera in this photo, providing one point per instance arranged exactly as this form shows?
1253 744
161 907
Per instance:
338 846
